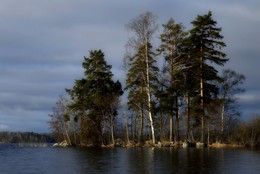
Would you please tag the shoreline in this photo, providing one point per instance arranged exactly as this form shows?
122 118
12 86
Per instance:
163 144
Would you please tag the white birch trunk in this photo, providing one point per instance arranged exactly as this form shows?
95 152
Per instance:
149 92
66 128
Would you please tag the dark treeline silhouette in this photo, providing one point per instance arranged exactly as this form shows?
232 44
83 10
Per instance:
186 98
25 137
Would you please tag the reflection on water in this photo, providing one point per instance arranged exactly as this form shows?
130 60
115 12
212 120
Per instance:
14 159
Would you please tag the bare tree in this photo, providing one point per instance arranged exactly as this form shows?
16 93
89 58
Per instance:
230 86
61 123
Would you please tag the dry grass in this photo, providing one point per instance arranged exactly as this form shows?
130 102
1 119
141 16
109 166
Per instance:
223 145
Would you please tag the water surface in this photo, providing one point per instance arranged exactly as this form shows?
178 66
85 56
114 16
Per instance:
15 159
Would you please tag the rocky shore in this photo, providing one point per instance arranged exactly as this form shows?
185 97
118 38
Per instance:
185 144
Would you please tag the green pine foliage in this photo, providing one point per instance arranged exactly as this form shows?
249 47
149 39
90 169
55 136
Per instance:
136 77
205 50
205 44
94 96
172 40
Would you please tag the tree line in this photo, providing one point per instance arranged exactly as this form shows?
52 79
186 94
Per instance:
175 91
25 137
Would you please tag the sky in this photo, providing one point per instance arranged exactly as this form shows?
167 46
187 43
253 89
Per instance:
43 43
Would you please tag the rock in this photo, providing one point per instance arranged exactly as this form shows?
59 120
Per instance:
200 145
159 144
171 143
61 144
185 144
64 144
55 145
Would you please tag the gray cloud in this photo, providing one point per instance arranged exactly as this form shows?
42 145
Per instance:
43 43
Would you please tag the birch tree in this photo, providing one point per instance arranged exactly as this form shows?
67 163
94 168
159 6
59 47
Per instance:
144 27
61 122
229 88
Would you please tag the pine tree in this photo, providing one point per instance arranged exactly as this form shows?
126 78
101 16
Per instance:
171 43
206 44
94 97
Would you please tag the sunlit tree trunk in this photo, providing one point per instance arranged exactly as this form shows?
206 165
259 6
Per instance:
187 100
171 127
202 98
67 132
149 91
140 136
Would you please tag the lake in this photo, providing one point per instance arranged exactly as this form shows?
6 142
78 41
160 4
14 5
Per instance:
15 159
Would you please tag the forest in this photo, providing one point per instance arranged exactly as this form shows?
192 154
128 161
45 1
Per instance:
25 137
179 91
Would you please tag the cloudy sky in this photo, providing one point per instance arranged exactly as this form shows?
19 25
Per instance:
42 44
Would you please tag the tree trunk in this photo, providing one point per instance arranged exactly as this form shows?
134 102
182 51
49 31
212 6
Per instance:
202 110
66 127
133 127
81 137
187 100
112 131
177 120
202 97
171 93
161 127
126 128
222 121
75 134
140 136
208 133
149 92
171 127
151 119
177 127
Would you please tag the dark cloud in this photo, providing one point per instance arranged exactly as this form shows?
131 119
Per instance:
43 43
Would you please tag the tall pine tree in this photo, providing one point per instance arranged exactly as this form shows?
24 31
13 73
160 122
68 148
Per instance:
206 44
171 43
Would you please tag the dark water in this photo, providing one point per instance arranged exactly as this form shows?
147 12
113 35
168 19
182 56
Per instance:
19 160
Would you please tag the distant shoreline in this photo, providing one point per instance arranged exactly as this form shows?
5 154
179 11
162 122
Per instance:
25 137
